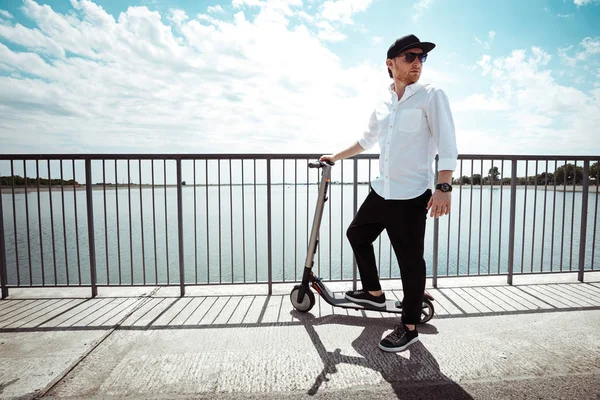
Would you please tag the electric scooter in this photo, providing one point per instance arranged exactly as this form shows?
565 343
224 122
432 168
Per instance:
302 296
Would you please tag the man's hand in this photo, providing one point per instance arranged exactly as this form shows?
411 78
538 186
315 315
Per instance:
328 157
439 204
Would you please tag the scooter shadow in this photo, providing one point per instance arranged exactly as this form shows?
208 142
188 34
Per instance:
412 374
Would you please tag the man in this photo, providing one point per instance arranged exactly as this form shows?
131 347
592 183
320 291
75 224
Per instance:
411 123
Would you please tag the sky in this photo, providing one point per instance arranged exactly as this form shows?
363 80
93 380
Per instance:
290 76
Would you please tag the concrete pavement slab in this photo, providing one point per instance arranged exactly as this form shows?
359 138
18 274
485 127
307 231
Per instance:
488 340
337 355
30 361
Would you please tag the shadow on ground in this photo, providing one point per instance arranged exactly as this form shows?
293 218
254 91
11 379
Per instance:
413 374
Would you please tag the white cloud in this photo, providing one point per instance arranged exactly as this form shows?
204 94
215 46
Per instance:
536 111
486 44
584 2
215 9
377 39
588 48
436 76
565 57
207 18
420 7
250 3
579 80
30 63
32 39
591 46
343 10
565 16
5 14
282 6
178 16
306 17
328 33
146 83
332 11
479 102
484 64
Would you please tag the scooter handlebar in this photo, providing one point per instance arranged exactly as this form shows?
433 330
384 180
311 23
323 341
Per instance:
320 164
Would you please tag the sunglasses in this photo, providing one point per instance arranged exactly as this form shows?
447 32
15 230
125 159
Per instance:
410 57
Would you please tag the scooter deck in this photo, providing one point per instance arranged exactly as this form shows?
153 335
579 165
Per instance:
338 300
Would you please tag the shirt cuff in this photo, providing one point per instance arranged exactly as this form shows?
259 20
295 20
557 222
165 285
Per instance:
363 143
447 164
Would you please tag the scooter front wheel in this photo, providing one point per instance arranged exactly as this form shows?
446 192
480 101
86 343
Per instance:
307 303
427 311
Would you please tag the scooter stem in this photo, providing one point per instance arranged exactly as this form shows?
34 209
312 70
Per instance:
314 234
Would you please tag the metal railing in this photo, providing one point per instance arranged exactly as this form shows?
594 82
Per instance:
180 220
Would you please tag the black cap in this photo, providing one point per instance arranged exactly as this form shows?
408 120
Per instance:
408 42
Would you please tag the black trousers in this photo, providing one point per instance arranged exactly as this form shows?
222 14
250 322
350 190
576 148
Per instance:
404 221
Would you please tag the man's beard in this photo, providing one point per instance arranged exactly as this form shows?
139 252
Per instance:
410 79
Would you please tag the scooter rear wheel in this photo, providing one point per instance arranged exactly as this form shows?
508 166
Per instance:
427 311
307 303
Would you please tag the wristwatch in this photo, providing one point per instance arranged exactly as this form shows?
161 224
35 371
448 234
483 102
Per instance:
444 187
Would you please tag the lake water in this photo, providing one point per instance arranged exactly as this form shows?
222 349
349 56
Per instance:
225 238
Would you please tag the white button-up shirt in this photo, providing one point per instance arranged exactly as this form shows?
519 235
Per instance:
410 132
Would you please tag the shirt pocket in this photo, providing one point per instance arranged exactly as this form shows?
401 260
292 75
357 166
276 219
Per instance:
410 120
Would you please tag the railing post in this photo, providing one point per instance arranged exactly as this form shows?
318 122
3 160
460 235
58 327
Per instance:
269 249
90 224
3 274
436 234
584 212
180 227
355 209
513 212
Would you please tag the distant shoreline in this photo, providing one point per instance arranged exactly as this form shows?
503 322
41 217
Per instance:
68 188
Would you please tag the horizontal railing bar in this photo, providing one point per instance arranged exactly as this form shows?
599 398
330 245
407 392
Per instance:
136 157
277 282
250 156
492 157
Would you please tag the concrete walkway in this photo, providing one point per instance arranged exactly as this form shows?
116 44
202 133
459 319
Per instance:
539 338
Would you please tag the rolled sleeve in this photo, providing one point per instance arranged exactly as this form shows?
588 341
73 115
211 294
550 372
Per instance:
369 138
441 125
447 164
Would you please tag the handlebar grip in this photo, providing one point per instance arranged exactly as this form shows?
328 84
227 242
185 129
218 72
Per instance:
320 164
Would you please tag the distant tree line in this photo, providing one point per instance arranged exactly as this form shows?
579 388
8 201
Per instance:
17 180
565 174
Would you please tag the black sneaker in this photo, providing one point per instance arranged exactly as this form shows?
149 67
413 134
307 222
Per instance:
364 297
399 339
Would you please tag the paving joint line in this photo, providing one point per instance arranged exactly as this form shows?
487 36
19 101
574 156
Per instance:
81 358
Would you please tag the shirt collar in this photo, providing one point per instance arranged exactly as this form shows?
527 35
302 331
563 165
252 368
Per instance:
408 91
